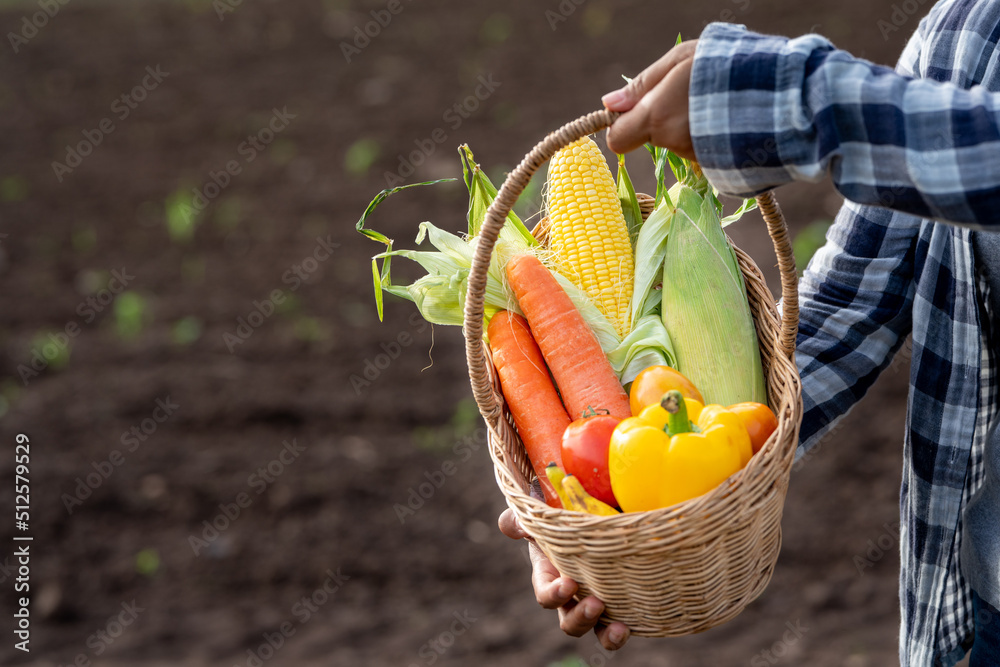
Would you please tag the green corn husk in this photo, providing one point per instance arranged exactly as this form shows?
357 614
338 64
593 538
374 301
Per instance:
440 294
704 300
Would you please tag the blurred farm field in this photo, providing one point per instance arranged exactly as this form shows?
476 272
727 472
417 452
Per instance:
226 438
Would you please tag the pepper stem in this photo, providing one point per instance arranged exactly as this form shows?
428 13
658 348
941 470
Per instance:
673 402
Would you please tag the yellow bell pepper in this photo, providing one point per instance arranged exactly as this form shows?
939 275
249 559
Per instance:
661 457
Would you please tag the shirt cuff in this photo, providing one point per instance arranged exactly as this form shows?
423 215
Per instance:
747 113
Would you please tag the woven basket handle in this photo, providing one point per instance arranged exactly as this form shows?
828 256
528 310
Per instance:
513 186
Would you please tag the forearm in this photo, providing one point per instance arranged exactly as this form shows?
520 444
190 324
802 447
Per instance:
765 111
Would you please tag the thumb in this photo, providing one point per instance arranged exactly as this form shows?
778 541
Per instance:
510 526
625 98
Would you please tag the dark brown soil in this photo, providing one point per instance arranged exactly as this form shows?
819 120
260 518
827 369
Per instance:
326 514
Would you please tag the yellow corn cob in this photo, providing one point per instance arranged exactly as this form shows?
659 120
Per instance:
587 229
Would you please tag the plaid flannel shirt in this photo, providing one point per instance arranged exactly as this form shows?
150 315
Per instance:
765 111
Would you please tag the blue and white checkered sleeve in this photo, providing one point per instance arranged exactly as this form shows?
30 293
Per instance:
765 111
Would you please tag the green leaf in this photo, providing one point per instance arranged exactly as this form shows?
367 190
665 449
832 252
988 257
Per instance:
747 205
360 156
447 243
647 344
440 295
482 192
496 28
182 217
186 330
130 315
310 329
660 158
629 202
572 661
435 263
383 280
147 562
808 241
679 166
649 253
47 343
13 188
379 198
378 287
439 300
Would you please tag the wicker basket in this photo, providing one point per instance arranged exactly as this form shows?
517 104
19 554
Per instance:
678 570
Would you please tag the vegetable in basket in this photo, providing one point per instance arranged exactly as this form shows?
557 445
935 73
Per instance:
440 295
661 458
534 404
600 315
581 191
573 496
585 453
580 500
645 339
587 230
759 420
703 297
650 385
582 373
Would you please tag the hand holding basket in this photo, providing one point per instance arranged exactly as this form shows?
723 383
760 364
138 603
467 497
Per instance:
681 569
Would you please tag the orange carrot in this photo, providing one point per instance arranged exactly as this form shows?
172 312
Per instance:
571 350
538 413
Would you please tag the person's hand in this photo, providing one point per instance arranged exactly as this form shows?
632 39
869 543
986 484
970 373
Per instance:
654 105
555 592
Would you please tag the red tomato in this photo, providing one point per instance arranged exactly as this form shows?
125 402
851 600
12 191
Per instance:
758 419
585 454
652 383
